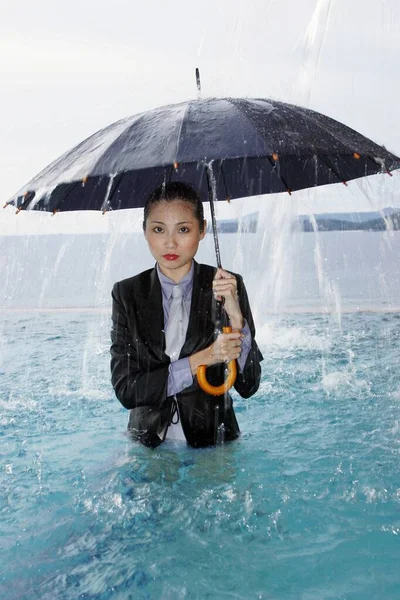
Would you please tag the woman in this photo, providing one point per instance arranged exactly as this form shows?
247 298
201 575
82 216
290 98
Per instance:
164 328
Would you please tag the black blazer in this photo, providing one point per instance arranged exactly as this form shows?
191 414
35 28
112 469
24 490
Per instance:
139 365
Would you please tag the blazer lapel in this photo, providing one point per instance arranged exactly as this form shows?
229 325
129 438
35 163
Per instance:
201 326
202 313
150 314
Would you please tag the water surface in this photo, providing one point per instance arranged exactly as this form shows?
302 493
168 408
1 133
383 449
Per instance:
304 505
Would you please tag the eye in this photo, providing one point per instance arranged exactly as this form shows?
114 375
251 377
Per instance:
158 229
184 229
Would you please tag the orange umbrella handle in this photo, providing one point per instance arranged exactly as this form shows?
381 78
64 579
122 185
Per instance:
217 390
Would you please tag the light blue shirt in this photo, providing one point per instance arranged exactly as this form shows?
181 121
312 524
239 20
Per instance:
180 373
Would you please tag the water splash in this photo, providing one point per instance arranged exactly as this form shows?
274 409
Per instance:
313 44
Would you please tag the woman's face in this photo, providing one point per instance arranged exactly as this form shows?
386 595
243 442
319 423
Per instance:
173 234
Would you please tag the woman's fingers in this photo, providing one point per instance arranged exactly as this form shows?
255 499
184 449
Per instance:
224 285
225 289
222 274
227 347
223 278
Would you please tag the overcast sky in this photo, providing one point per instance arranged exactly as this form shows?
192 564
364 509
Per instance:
68 69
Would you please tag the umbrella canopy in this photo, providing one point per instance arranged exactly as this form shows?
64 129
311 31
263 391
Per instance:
236 146
225 148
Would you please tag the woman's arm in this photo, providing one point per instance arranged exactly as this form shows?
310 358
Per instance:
225 348
236 303
228 346
134 386
248 379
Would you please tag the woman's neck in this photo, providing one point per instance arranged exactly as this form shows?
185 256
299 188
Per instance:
176 274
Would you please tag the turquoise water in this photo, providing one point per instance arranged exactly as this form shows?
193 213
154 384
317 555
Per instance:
306 505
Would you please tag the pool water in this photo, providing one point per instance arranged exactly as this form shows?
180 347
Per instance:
305 505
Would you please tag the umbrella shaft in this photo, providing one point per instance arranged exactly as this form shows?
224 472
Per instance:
211 198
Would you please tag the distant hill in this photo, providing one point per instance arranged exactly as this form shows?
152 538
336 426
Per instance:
246 224
388 218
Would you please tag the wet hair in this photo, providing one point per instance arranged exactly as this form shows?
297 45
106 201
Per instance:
176 190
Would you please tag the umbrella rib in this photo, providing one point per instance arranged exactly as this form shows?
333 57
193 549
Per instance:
171 172
332 169
114 186
224 181
253 123
281 179
80 182
29 196
273 164
180 129
383 166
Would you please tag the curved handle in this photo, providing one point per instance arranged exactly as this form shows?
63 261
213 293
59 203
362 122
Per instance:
217 390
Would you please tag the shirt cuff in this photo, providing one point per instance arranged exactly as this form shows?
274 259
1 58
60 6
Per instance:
246 346
180 376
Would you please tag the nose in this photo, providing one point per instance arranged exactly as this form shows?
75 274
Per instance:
170 241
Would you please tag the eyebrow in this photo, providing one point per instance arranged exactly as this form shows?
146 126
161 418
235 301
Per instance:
179 223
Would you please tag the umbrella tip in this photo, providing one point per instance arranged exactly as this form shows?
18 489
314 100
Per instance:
198 83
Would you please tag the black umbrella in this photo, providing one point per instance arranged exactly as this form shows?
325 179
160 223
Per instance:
224 147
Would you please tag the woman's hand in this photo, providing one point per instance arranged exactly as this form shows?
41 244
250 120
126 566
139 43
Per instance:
225 287
226 347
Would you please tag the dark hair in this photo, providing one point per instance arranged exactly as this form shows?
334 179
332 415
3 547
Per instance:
176 190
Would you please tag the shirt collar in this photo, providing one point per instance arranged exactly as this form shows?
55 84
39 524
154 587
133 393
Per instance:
168 284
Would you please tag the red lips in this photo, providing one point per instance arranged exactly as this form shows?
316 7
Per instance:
170 256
